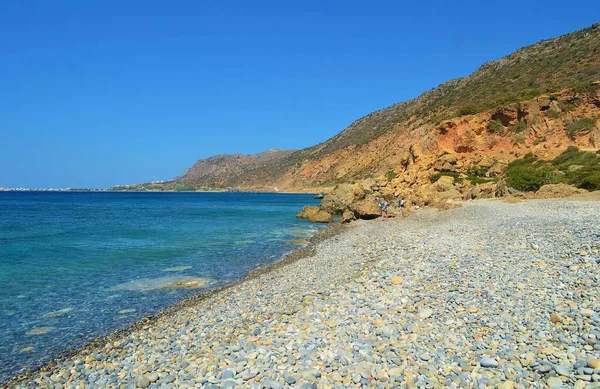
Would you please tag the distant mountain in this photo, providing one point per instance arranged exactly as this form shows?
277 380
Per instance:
535 94
221 170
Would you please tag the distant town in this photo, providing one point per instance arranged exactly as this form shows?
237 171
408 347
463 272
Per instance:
132 187
52 190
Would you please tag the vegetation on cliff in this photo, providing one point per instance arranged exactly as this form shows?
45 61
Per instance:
573 166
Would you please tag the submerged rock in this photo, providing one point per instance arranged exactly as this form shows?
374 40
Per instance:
39 330
58 313
177 268
146 284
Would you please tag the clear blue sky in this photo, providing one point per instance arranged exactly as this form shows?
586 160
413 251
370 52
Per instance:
98 93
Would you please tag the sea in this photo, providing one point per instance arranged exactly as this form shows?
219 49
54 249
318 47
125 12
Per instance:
75 266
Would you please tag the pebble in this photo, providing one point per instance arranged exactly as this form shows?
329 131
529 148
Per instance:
554 382
425 313
142 382
488 362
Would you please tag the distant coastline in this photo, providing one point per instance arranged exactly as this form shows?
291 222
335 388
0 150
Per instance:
112 190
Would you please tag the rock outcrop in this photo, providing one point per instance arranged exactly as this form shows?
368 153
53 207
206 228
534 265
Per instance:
556 191
338 200
315 214
367 208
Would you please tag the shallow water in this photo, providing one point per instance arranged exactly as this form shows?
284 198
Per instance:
75 266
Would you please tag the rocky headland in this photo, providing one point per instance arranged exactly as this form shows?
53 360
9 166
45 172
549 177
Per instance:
491 294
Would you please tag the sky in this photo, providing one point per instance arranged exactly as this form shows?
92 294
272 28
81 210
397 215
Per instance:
100 93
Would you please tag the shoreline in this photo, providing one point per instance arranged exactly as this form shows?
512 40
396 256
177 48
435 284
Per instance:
91 347
491 294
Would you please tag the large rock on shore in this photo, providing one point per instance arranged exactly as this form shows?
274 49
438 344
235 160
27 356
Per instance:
347 217
557 190
314 214
366 209
341 197
321 217
443 184
307 210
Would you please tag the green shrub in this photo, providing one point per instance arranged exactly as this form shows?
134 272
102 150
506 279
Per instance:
519 126
528 94
552 113
390 175
519 139
591 182
529 178
580 126
585 88
527 159
573 156
435 177
566 107
471 109
480 180
476 171
495 126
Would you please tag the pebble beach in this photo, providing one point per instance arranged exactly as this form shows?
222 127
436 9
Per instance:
488 295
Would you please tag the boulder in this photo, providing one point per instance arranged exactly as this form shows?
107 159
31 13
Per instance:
341 197
443 205
452 194
557 190
366 209
307 211
422 196
501 189
445 183
486 163
484 191
347 217
320 217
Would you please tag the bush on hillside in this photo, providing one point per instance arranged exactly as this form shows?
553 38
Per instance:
573 156
480 180
552 113
528 178
527 159
580 126
567 107
435 177
390 175
572 166
519 139
530 93
591 182
520 126
471 109
495 126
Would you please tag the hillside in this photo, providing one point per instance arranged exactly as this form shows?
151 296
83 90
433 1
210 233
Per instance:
531 97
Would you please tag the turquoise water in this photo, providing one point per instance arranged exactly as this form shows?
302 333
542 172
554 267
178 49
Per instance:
75 266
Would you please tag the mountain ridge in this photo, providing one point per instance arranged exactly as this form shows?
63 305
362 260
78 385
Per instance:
544 70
